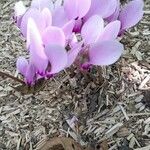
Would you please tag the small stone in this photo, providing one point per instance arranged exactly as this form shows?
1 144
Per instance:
123 132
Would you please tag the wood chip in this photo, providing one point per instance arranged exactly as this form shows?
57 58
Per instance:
113 130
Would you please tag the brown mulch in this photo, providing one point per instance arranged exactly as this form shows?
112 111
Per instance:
111 104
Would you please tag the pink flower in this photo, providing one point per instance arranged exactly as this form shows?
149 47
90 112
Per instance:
63 32
103 48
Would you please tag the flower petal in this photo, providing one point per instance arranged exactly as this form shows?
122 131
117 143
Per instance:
104 8
115 15
73 53
59 17
68 28
53 35
22 65
47 16
30 74
92 29
38 57
75 8
41 4
83 7
36 16
105 53
71 8
131 14
111 8
110 31
57 57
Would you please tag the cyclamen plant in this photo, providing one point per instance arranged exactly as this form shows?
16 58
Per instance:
51 30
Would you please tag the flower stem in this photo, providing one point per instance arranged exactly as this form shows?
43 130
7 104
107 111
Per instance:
12 77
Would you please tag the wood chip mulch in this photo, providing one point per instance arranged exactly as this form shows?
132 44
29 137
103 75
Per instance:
108 106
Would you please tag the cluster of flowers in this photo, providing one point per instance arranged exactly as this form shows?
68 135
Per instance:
64 32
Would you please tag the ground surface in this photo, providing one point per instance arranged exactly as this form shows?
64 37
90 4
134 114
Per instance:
115 110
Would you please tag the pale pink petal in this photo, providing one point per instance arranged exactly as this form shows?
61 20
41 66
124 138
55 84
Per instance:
76 8
83 7
37 54
131 14
37 16
57 57
68 28
47 16
92 29
115 15
59 17
104 8
71 8
41 4
111 31
30 74
73 53
22 65
53 35
111 8
105 53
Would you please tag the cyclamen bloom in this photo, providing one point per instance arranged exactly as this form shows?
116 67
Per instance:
52 32
129 15
103 48
27 69
47 52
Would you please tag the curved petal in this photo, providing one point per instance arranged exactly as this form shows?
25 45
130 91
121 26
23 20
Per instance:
131 14
105 53
111 31
104 8
73 53
71 8
59 17
111 8
22 65
75 8
53 35
83 7
92 29
57 57
30 74
47 16
68 28
115 15
36 16
41 4
38 57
